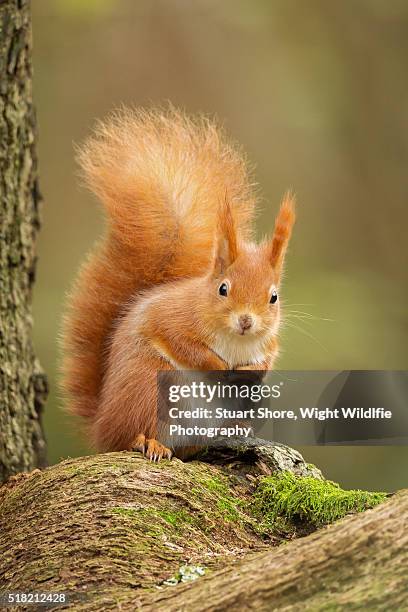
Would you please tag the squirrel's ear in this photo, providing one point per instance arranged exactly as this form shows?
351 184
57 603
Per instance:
226 248
281 235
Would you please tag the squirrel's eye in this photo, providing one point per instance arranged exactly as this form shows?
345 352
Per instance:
223 289
274 297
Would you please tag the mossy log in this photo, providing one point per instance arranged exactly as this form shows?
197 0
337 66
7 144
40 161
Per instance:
359 563
116 531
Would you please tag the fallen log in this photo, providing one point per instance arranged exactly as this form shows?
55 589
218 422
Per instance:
115 530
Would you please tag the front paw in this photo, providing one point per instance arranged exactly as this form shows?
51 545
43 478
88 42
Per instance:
254 372
151 448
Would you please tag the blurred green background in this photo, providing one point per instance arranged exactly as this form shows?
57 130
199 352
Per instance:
317 92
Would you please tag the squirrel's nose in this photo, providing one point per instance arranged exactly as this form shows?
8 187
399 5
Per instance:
245 322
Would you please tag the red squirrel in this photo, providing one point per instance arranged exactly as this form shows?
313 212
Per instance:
177 281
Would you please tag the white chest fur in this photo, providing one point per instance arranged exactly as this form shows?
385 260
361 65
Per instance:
238 350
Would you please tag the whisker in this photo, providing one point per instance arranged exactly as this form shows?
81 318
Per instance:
302 319
288 304
308 314
306 333
305 315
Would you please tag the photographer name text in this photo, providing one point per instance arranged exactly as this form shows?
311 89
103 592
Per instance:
269 413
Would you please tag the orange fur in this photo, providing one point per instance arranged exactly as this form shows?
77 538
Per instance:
180 208
283 229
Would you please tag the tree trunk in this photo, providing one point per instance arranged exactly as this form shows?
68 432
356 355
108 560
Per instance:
22 384
118 532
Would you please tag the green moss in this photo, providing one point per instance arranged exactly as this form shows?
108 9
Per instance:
216 484
176 518
170 520
141 518
317 502
126 512
282 505
227 504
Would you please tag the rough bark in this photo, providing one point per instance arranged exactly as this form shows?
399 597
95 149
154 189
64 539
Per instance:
114 530
360 563
22 384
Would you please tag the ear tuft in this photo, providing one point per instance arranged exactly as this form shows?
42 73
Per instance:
227 247
282 232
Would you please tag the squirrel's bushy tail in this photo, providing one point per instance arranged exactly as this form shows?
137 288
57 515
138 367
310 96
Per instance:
162 178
